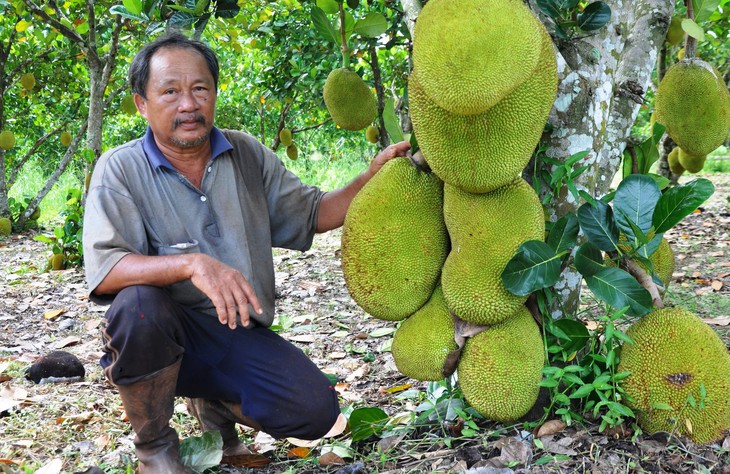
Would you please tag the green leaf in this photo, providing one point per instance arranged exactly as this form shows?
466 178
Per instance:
372 25
575 334
588 259
704 8
202 452
124 13
594 16
365 422
657 132
550 7
134 6
662 406
619 289
680 201
392 124
635 200
693 29
380 332
583 391
628 164
598 225
534 266
660 181
329 6
323 26
564 233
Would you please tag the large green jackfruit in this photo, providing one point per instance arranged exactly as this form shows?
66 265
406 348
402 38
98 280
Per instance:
479 153
486 230
422 342
349 100
394 241
674 355
501 367
693 102
471 53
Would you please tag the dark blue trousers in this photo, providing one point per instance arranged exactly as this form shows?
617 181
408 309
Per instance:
273 380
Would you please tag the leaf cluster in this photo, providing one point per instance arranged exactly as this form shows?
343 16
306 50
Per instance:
571 16
67 237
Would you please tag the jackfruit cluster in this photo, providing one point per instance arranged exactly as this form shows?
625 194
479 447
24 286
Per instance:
349 100
680 375
693 103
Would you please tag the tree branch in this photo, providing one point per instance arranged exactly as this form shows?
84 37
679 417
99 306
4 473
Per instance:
65 31
411 8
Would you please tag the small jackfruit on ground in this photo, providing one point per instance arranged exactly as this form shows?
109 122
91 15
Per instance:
673 159
422 342
394 241
480 153
6 227
470 54
349 100
486 230
693 102
674 354
691 163
501 368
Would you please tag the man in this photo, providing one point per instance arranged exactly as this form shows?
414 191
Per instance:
179 230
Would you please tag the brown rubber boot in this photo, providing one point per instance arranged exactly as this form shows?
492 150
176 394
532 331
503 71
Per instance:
149 404
216 415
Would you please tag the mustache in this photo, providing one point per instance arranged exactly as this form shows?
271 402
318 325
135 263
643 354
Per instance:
195 118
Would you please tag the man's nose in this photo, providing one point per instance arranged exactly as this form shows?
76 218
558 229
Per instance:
187 101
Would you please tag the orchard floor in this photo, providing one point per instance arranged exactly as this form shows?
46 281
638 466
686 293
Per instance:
74 427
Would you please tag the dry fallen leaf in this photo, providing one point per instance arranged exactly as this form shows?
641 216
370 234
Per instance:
550 427
302 338
52 467
246 460
67 342
720 321
54 313
299 452
716 285
330 459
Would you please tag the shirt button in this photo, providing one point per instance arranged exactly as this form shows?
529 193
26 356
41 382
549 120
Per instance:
210 168
203 198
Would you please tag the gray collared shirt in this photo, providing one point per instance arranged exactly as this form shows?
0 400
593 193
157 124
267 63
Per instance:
248 203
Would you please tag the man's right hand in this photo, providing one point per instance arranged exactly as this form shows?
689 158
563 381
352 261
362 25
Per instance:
226 287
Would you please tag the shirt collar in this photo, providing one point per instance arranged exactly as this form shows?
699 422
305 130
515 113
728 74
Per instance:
218 144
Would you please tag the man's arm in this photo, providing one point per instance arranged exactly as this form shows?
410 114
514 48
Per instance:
225 286
334 204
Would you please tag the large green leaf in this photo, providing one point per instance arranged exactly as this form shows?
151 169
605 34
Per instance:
564 233
704 8
323 26
588 259
392 124
573 334
365 422
634 202
329 6
372 25
134 6
550 7
202 452
619 289
594 16
534 266
598 225
693 29
124 13
680 201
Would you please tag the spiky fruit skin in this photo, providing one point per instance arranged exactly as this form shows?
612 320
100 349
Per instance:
491 47
480 153
673 159
422 342
6 227
349 100
65 139
57 262
7 140
675 353
372 134
292 152
501 367
663 261
675 34
693 102
394 241
691 163
486 230
285 137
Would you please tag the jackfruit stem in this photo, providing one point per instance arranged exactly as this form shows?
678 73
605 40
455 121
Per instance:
419 161
345 51
645 280
690 44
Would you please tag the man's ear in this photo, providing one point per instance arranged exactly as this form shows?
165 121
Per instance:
141 104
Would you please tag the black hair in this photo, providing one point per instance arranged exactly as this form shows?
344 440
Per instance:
139 70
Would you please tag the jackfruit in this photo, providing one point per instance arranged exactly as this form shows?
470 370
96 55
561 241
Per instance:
372 134
690 162
65 139
57 262
7 139
422 342
673 159
501 368
292 152
6 226
128 106
693 102
285 137
35 214
479 153
486 230
27 80
349 100
394 241
680 54
675 34
470 54
673 356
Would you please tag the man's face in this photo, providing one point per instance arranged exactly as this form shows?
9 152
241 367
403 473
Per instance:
180 103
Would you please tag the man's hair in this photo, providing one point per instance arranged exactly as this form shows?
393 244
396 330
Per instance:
139 70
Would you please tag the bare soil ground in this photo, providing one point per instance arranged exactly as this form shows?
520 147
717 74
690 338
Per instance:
74 427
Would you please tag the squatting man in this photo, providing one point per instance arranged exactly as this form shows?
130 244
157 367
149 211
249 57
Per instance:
178 237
